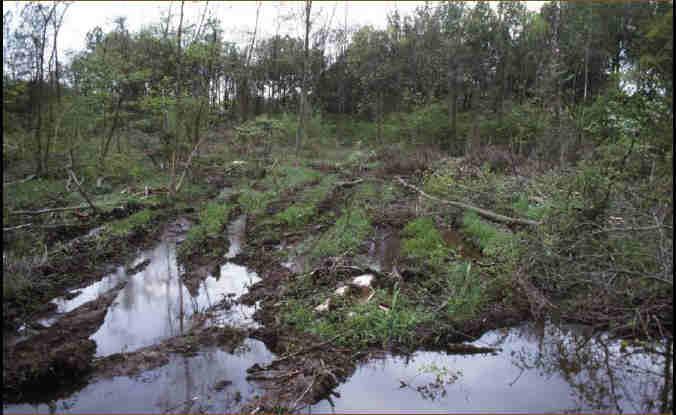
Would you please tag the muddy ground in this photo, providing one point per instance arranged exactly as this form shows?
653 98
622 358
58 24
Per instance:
309 366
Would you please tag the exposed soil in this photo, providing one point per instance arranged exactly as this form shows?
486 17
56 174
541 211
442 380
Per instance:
310 368
57 356
82 264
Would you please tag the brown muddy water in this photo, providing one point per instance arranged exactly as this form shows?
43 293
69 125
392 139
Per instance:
540 368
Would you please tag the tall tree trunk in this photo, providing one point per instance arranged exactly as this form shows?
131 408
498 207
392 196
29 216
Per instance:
452 102
179 110
379 115
245 97
302 111
586 67
111 132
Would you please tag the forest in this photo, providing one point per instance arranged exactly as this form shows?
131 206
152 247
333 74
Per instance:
193 222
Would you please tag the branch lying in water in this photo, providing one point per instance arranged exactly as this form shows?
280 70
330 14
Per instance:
481 212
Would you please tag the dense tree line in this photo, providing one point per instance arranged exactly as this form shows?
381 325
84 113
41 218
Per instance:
176 77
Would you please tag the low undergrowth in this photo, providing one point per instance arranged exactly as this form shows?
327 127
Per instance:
388 318
213 218
305 205
456 284
345 236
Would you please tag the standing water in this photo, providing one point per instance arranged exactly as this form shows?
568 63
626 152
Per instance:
155 305
210 381
540 369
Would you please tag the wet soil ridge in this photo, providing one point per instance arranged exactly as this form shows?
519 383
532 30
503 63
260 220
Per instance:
149 293
57 356
330 266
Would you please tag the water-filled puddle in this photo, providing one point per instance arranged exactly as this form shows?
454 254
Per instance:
78 297
185 384
155 305
538 370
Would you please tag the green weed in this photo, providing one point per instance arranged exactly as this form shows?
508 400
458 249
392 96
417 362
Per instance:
212 221
422 241
492 241
255 201
345 235
466 293
361 325
136 222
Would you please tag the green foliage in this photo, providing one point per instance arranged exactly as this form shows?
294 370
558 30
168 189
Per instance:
291 177
521 127
466 292
213 218
15 285
361 325
305 205
349 231
372 195
139 221
492 241
33 193
524 208
425 124
254 201
296 215
261 131
422 241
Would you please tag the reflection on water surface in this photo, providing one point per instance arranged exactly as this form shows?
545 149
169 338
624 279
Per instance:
540 369
185 384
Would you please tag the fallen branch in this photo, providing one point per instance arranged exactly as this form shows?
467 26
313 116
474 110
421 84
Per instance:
50 210
630 229
14 228
295 405
28 178
299 352
82 192
464 348
350 183
481 212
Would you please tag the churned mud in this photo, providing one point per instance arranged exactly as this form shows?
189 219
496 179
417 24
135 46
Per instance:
210 332
56 356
